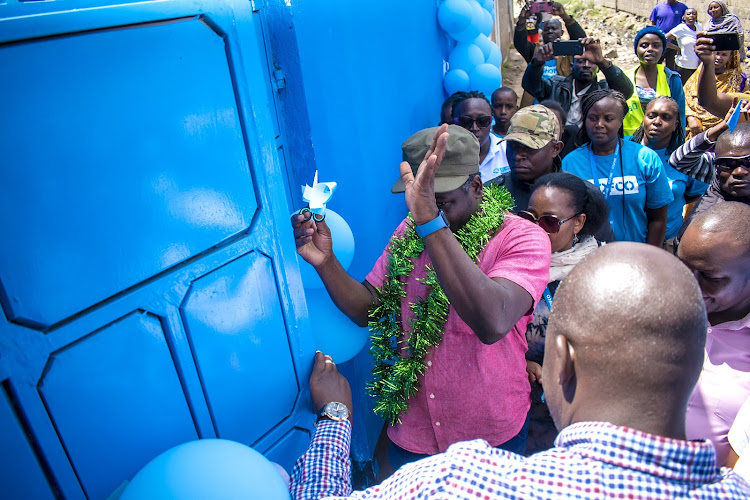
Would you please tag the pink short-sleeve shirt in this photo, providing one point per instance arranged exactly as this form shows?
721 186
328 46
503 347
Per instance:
723 386
471 390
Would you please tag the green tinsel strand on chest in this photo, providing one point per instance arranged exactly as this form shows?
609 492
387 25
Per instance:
395 377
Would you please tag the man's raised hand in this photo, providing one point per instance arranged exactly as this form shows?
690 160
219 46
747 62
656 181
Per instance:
592 51
420 189
545 53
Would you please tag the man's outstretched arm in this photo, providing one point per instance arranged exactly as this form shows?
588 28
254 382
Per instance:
315 246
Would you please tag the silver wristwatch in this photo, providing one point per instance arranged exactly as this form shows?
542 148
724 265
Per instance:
333 411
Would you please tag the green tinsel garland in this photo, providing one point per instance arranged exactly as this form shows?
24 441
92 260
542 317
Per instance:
395 377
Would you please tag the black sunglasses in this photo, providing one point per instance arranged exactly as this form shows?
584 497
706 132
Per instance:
467 122
729 164
550 223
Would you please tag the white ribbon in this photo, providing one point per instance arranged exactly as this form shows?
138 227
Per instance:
318 195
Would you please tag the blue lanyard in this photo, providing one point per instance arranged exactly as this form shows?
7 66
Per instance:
595 175
548 297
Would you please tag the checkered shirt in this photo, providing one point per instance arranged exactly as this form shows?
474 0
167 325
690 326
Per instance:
591 460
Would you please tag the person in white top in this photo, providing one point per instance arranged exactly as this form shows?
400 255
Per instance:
685 35
472 111
739 440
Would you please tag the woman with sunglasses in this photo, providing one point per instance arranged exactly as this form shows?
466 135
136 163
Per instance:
630 175
571 210
472 111
662 132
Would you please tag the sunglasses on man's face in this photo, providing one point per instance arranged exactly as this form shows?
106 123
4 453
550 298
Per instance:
550 223
729 164
467 122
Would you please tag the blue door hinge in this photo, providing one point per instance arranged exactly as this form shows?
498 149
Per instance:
278 80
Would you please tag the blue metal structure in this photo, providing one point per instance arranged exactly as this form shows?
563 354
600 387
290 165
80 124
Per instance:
151 154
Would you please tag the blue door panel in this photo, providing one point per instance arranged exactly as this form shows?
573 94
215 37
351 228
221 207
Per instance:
120 385
133 161
149 287
21 477
289 448
236 328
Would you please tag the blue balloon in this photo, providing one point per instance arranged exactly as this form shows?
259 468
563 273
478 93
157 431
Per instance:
343 248
486 24
333 332
456 80
465 56
486 78
489 5
207 468
485 44
454 15
473 29
496 57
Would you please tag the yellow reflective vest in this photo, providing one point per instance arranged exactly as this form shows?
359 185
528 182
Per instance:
635 112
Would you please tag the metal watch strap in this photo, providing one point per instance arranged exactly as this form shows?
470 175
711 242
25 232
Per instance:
438 222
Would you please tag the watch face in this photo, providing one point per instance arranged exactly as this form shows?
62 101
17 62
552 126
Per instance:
337 411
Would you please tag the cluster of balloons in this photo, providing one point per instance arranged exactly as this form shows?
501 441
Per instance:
474 63
209 468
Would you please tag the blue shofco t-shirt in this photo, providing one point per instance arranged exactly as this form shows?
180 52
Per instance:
682 187
668 16
550 69
642 182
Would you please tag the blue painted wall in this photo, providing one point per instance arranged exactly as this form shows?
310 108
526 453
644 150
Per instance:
152 152
373 76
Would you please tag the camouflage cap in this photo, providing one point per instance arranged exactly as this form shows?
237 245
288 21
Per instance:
534 126
461 157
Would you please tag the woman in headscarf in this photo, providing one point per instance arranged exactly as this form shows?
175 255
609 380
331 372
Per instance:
709 96
650 78
722 21
729 78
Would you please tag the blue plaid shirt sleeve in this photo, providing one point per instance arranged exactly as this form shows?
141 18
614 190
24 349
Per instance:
325 469
590 460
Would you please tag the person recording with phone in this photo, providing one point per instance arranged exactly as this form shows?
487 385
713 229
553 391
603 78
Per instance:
552 31
569 90
713 96
722 21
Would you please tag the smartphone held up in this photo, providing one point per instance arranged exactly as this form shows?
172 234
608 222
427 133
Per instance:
539 7
567 48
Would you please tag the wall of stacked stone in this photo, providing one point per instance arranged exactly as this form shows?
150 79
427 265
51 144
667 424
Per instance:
643 8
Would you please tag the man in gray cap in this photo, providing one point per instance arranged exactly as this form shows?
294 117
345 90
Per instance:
533 149
456 287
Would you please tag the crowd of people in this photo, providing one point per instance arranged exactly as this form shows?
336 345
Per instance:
565 310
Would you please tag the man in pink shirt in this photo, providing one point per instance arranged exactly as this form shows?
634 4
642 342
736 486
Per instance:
474 384
716 247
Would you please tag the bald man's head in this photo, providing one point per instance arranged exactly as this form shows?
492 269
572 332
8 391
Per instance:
716 247
727 141
629 324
